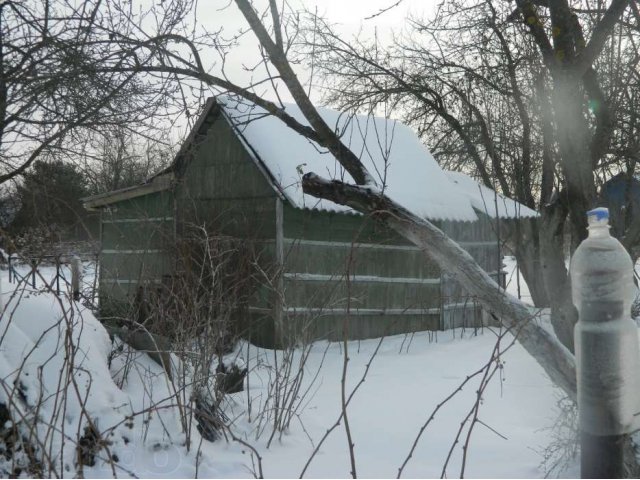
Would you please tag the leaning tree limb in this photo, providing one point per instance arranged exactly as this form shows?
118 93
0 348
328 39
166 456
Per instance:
554 357
278 58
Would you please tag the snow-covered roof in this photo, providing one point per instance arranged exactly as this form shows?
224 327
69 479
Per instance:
390 151
488 201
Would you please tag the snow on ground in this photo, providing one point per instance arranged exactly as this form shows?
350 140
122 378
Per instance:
515 281
398 396
65 380
516 284
138 416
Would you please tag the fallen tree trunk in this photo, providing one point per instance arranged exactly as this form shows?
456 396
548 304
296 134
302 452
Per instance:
518 317
544 346
556 360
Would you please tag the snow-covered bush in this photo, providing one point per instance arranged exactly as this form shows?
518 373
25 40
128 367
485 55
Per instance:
76 402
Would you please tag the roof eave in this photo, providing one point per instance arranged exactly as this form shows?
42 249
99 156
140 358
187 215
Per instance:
156 184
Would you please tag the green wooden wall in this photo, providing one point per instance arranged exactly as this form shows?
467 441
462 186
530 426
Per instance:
480 239
346 271
223 189
317 272
136 240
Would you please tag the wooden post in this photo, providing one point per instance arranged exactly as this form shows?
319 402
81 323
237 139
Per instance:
76 273
58 275
33 273
96 273
278 314
10 268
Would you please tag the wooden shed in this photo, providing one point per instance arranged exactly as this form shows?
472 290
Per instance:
321 270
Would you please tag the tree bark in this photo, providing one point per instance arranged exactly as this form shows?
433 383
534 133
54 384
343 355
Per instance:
572 134
556 276
522 320
529 257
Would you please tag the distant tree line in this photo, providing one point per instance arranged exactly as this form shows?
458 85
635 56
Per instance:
47 200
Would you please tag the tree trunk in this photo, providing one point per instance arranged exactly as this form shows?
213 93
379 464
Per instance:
556 276
572 134
516 316
529 257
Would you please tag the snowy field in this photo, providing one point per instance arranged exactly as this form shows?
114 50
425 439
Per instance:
132 404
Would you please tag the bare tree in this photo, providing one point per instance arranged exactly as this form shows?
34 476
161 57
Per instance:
51 87
118 158
161 51
518 97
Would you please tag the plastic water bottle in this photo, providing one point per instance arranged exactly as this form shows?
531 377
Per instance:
606 338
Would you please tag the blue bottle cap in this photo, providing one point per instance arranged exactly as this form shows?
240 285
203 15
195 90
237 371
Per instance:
599 214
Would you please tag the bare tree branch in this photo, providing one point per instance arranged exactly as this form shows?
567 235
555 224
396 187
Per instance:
600 35
556 360
350 162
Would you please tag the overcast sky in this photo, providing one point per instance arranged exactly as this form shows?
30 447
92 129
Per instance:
349 15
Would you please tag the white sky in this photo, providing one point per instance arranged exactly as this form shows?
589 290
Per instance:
349 15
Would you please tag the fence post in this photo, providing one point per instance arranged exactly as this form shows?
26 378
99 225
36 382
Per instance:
96 274
58 275
76 273
607 352
34 267
10 268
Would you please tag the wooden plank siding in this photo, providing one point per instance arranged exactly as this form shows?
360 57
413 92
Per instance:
223 190
480 239
335 258
136 239
392 286
345 268
339 293
331 327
